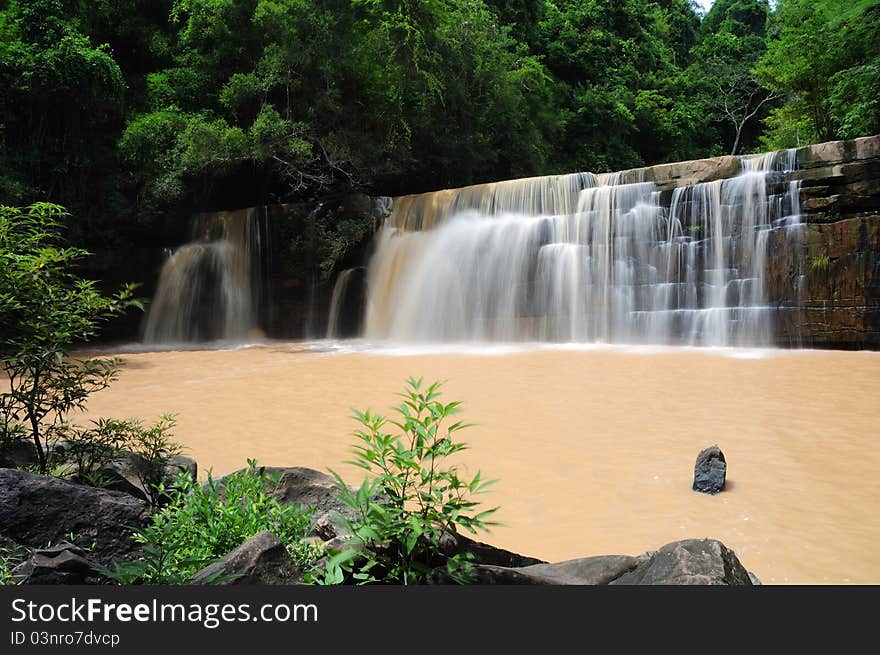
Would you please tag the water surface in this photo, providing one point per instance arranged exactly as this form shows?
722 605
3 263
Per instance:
593 446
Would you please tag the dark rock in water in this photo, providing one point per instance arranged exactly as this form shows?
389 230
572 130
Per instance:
64 563
689 562
710 471
36 510
262 559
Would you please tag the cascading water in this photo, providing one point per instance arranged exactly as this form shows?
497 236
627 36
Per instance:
345 302
580 258
210 289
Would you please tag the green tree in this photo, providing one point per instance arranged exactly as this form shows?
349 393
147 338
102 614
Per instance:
617 62
824 57
45 308
720 78
60 107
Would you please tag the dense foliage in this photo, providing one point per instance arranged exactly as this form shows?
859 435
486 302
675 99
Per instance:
203 522
126 110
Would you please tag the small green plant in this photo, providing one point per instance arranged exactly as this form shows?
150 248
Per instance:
820 264
87 450
155 450
203 522
11 432
411 499
8 561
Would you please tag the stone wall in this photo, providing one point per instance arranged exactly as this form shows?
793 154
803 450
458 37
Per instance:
839 305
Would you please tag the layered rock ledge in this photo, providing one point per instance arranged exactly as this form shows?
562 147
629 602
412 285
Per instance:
825 278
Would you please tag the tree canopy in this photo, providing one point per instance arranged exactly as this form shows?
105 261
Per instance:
125 111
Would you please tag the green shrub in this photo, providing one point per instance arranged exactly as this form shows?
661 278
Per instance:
89 449
45 307
11 432
412 499
155 449
203 522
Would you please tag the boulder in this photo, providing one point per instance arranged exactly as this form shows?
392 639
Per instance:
689 562
64 563
600 570
695 561
124 473
304 486
36 510
453 544
710 471
18 453
262 559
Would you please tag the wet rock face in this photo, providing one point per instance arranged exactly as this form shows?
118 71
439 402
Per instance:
826 280
710 471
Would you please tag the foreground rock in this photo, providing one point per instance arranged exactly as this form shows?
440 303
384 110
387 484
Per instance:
710 471
65 563
262 559
601 570
36 510
484 554
127 472
690 562
123 473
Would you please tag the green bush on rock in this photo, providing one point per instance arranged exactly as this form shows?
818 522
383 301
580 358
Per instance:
87 450
203 522
413 499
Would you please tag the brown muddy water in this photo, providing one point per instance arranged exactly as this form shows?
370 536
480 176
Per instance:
593 448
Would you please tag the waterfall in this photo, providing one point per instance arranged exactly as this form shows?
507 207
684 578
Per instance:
338 303
210 288
583 258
